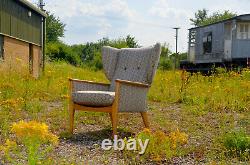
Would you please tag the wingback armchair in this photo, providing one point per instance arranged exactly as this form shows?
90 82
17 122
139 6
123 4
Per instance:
130 72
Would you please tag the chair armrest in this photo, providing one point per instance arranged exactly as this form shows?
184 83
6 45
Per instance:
132 83
131 96
87 81
84 85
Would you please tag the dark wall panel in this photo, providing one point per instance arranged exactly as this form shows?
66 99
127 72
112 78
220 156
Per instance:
14 21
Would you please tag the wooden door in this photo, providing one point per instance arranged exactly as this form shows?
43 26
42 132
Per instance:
1 47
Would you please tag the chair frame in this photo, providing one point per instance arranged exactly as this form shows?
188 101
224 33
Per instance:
112 110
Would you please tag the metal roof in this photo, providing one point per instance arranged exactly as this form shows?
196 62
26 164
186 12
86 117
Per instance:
236 17
32 7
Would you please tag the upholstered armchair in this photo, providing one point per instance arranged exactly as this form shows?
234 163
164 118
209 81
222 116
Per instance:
130 72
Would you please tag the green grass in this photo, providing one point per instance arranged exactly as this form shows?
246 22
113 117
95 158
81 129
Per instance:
206 108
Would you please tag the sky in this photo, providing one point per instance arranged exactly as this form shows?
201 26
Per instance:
149 21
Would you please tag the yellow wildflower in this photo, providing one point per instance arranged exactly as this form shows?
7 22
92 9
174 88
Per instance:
178 137
34 130
8 146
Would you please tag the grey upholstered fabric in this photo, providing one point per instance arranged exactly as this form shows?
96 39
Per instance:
109 60
94 98
132 98
138 65
85 86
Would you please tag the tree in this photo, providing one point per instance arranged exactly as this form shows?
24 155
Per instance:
202 18
54 28
131 43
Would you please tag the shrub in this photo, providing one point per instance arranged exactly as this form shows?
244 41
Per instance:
58 51
237 144
161 145
165 64
35 137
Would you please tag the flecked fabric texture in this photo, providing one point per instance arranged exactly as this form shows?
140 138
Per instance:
132 98
137 65
109 60
85 86
94 98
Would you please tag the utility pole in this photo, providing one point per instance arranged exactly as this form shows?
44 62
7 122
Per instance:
176 47
41 5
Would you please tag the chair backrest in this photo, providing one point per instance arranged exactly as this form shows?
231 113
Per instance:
132 64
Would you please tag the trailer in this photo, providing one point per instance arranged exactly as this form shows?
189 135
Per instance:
222 44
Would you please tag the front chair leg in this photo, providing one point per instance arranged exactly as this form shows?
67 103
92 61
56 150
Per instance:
114 118
111 118
145 119
71 118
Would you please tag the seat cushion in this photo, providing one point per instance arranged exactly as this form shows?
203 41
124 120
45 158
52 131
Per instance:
94 98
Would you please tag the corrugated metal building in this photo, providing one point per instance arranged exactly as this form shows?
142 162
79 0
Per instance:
22 34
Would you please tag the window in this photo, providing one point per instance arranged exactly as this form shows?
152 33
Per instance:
243 31
207 43
192 36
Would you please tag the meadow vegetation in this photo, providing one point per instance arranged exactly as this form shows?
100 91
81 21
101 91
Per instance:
192 115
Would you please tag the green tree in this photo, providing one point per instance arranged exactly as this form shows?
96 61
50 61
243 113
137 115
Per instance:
202 18
131 42
54 28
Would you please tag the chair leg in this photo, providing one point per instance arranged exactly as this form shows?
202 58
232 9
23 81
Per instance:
114 119
145 119
71 118
111 118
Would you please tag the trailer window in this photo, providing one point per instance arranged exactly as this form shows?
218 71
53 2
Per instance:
243 31
207 43
192 37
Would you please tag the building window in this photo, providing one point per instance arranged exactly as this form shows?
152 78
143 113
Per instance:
243 31
192 37
207 43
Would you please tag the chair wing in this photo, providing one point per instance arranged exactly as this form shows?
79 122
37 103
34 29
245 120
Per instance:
109 60
153 64
136 64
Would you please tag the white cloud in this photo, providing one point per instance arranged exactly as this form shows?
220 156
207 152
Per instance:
162 9
71 8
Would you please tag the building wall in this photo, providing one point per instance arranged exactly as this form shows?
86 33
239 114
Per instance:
241 47
15 21
217 43
22 56
16 53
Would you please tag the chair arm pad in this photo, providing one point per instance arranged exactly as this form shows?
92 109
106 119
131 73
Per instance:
84 85
87 81
132 83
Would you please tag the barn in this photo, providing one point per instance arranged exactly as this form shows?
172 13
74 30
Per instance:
221 44
22 35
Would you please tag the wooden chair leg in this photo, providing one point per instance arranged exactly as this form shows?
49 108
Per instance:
71 118
114 122
111 118
145 119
